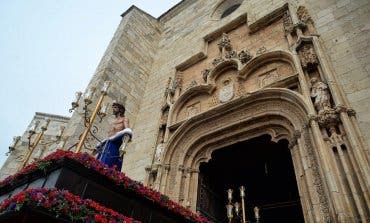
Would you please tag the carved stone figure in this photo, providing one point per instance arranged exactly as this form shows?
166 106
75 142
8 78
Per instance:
109 151
205 74
303 14
308 56
320 93
158 154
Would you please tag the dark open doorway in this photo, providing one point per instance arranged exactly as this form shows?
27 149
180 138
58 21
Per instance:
265 169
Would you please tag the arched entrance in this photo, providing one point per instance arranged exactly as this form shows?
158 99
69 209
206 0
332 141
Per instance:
279 113
266 170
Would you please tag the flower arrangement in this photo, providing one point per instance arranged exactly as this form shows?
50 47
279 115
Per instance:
112 174
64 204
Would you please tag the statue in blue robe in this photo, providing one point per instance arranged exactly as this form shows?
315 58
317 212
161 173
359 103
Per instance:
111 150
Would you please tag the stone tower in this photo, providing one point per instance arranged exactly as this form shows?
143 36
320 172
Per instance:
209 74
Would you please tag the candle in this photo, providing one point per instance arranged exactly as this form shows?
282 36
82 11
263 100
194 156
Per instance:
46 124
256 213
89 94
229 211
237 208
103 109
242 191
230 195
15 141
105 87
34 126
60 131
78 96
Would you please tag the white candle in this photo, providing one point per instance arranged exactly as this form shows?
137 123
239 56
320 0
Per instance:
34 126
230 195
60 131
46 124
78 96
89 94
242 191
105 87
103 110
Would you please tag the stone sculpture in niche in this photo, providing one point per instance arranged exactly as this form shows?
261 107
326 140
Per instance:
308 56
320 93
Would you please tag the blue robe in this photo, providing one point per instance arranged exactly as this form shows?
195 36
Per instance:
108 153
108 150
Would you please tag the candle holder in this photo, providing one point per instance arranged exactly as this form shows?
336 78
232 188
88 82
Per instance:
58 138
12 146
100 110
32 145
235 208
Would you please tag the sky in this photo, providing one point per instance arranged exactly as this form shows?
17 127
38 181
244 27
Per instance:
49 49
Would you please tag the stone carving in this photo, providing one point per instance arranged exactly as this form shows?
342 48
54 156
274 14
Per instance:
320 93
288 23
158 154
227 52
268 78
308 56
327 118
303 14
177 83
244 56
224 43
335 139
217 61
231 54
261 50
226 92
193 83
205 74
193 109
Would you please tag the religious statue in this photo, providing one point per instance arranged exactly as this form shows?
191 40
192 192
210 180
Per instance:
111 150
320 92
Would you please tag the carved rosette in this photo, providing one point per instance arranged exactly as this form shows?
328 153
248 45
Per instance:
244 56
224 43
308 56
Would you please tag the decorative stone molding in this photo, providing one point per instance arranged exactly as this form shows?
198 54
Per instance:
288 23
327 118
294 140
261 50
205 74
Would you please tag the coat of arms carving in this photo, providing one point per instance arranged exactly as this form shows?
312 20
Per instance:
226 92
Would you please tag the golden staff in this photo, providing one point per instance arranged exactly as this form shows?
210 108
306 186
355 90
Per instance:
33 145
93 116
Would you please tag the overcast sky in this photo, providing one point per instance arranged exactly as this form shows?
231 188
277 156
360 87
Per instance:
48 50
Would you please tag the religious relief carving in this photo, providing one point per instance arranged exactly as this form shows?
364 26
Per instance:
303 14
244 56
308 57
335 139
268 78
227 91
193 109
320 94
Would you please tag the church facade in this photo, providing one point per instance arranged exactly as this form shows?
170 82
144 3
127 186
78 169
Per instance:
272 95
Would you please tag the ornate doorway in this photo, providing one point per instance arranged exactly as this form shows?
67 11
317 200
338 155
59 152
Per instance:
264 167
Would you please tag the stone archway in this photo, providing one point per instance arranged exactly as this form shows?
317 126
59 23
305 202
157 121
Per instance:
280 113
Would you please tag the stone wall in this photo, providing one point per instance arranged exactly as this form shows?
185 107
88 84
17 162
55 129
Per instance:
49 143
